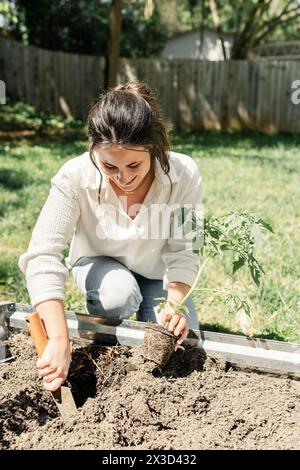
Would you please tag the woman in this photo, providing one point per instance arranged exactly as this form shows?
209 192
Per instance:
122 199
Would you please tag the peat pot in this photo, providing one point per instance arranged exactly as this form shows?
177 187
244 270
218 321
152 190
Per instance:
158 344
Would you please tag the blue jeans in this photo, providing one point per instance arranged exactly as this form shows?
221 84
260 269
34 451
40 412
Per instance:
115 292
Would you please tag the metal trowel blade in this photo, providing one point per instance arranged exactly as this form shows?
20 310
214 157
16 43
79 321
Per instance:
65 402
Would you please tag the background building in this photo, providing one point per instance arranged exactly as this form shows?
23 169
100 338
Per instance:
188 45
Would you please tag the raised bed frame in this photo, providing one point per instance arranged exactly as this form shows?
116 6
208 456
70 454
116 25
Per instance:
239 351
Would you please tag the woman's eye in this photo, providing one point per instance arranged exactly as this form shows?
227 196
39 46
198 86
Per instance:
113 167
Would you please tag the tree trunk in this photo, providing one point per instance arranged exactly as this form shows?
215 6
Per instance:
113 49
217 24
201 49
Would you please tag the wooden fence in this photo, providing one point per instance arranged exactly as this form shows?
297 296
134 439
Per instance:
194 94
64 83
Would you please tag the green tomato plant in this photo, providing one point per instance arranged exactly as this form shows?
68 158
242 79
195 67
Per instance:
238 232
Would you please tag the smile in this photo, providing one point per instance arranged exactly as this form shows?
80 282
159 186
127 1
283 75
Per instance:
129 183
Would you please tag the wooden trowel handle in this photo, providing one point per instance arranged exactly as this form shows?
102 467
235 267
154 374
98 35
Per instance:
37 332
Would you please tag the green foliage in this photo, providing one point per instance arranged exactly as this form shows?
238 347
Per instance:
141 37
17 116
178 308
185 15
237 232
240 233
12 21
251 22
82 26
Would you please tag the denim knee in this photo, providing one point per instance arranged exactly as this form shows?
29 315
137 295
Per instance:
118 299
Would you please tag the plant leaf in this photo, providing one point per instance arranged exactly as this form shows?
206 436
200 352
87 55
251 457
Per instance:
237 264
255 274
266 225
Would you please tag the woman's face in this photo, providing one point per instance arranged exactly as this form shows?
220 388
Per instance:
126 167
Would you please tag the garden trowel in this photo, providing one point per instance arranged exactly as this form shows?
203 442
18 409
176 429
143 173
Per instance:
63 396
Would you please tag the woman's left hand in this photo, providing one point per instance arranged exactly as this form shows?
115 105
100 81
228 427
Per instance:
175 323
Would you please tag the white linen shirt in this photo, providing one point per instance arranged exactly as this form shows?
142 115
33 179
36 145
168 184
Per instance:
72 209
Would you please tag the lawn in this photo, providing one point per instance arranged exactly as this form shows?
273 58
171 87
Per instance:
251 172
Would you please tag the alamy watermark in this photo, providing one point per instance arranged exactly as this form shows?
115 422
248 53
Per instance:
296 94
2 92
183 223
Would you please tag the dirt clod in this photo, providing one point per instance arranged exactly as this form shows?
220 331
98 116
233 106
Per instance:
127 402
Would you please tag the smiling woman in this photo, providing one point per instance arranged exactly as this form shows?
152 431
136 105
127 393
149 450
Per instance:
128 118
123 169
126 202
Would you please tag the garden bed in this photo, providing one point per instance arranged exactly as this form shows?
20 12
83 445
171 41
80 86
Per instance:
125 402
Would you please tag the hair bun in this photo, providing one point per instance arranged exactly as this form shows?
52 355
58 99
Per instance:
139 88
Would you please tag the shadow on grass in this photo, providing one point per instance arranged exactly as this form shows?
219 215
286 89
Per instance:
217 328
13 179
242 139
8 206
289 167
76 143
235 138
215 143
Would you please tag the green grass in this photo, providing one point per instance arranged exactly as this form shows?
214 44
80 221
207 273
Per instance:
252 172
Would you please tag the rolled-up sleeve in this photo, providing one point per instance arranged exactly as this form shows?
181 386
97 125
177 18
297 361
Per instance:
42 263
178 255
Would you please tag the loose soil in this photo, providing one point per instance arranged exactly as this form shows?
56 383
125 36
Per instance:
126 402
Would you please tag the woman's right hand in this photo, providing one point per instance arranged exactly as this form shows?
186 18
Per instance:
54 364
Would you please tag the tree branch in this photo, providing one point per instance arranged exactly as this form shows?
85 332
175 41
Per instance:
284 16
259 38
241 37
252 15
251 38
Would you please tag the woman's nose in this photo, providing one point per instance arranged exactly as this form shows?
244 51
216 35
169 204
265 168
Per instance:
123 178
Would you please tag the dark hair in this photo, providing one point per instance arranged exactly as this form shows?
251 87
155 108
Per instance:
129 114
